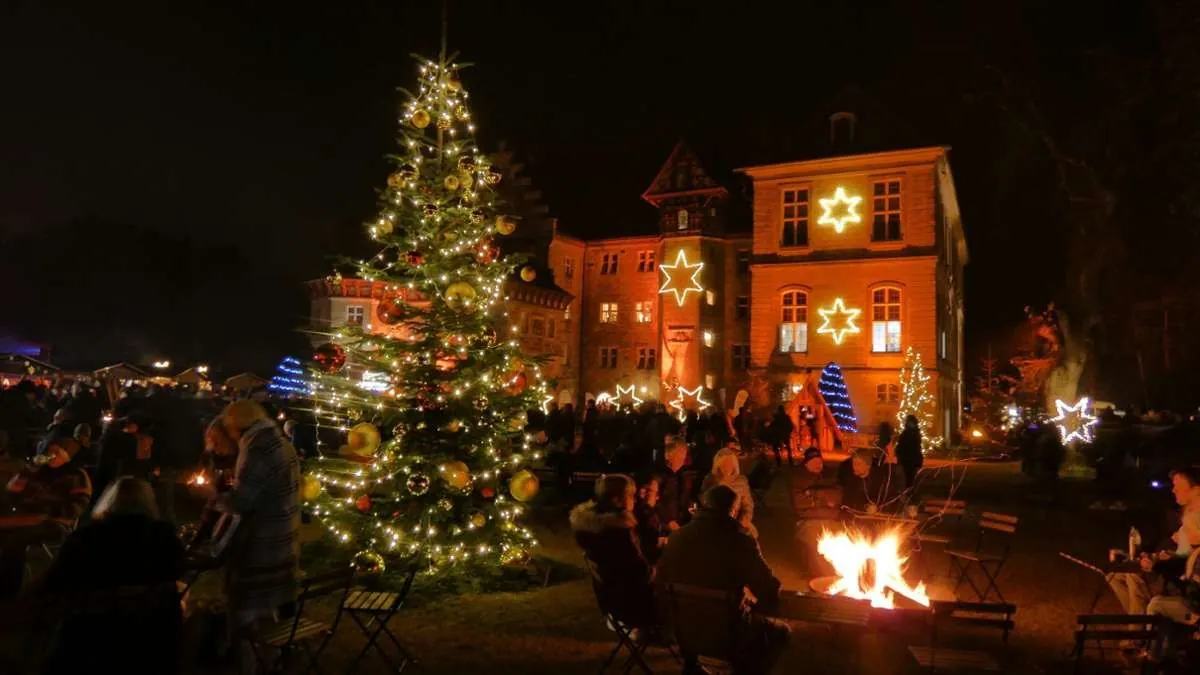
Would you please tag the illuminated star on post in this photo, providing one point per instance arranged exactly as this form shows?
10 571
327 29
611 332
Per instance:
627 391
697 394
838 328
1074 422
669 284
829 204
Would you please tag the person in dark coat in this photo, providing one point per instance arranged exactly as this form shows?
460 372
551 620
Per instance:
16 418
714 551
744 423
125 545
781 435
867 486
606 529
908 450
677 488
651 534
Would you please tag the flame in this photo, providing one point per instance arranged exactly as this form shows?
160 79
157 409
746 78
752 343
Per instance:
198 479
869 570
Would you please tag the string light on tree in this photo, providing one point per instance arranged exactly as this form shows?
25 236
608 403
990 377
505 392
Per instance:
1074 422
832 386
916 399
839 321
832 204
674 283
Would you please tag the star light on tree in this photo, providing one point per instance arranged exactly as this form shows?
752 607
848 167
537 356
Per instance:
684 394
837 327
670 285
1074 421
831 203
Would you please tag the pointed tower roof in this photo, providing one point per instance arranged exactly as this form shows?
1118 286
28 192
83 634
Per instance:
681 175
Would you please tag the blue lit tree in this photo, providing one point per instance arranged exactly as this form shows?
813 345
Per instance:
290 378
837 397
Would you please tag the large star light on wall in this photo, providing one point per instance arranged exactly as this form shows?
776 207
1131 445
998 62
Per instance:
674 283
622 392
1074 421
839 321
832 203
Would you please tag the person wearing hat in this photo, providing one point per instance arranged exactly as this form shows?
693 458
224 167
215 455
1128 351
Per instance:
45 501
815 498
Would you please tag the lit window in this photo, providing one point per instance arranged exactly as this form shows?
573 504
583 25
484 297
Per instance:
885 320
608 312
741 356
793 323
608 264
645 261
887 393
710 382
943 345
647 358
795 218
708 338
743 262
682 219
710 297
355 315
608 357
741 310
568 268
643 312
885 210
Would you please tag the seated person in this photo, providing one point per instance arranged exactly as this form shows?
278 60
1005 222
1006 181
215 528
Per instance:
125 545
726 470
1165 566
48 499
815 498
606 529
867 486
651 534
714 551
1182 610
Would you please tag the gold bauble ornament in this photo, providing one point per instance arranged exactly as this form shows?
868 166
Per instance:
454 84
491 177
453 426
444 123
369 562
528 274
395 180
477 519
506 225
466 164
523 486
477 216
465 180
456 474
362 440
310 488
462 113
451 182
459 293
384 227
420 119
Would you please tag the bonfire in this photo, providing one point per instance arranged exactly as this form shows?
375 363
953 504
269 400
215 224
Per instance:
869 568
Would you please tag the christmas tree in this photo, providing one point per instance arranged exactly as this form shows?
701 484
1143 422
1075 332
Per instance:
916 399
290 378
435 449
833 389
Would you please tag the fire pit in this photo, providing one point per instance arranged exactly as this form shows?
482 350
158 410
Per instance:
868 567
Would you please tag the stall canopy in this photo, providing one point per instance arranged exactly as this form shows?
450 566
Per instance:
19 365
196 376
121 371
245 382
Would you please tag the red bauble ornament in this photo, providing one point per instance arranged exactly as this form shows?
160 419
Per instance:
330 357
414 258
487 252
390 311
363 503
517 384
487 492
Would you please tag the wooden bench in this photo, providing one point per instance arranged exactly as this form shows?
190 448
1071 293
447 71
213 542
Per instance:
945 615
1113 628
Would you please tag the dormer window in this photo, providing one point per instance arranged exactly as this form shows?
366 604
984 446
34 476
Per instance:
682 218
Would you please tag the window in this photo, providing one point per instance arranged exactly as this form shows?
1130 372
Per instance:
550 329
568 268
643 312
885 320
710 297
793 324
741 356
887 393
608 264
885 208
537 326
743 262
710 381
741 310
646 261
795 218
682 219
708 338
608 357
608 312
942 345
355 315
647 358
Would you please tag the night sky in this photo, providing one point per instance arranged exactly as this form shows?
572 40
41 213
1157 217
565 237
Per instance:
264 124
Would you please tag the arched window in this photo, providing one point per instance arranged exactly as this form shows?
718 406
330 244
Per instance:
793 322
885 320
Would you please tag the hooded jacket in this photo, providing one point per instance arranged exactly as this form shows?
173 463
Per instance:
609 540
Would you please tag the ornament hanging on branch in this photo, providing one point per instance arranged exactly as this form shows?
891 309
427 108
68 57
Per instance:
524 485
363 503
370 563
330 357
528 274
459 294
310 488
420 119
417 483
506 225
390 311
414 258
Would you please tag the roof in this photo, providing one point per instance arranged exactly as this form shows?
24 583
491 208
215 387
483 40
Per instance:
121 366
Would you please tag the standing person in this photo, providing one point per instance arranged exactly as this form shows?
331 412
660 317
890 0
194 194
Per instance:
677 489
908 450
744 423
726 471
885 445
781 435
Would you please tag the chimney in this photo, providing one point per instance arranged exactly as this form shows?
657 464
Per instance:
841 129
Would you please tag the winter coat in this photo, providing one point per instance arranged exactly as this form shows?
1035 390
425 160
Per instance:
884 482
714 551
908 448
745 503
609 540
676 493
649 529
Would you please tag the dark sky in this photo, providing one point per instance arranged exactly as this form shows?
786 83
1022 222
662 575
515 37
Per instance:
264 123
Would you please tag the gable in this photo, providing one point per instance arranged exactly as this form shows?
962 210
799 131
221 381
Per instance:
681 174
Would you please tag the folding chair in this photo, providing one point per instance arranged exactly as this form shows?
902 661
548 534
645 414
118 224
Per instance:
989 563
624 631
1101 629
705 623
376 608
287 634
942 523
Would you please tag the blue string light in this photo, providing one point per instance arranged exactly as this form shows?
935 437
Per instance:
833 389
289 378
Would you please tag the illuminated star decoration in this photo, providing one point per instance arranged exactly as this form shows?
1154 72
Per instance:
847 325
546 403
697 393
669 283
1074 422
627 391
839 197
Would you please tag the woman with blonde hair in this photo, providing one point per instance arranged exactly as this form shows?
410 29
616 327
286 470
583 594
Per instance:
726 471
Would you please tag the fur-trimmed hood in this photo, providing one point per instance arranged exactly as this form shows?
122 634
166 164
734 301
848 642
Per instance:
584 518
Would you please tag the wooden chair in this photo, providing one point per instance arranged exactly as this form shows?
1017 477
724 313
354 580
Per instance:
705 623
946 615
1109 628
989 562
299 630
376 608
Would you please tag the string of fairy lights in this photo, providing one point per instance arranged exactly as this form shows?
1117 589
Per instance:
916 399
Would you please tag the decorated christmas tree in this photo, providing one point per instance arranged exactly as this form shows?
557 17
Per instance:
833 389
432 403
917 400
290 378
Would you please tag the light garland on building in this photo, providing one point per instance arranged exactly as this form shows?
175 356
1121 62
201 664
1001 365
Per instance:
1074 422
835 327
670 284
917 400
832 386
829 204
